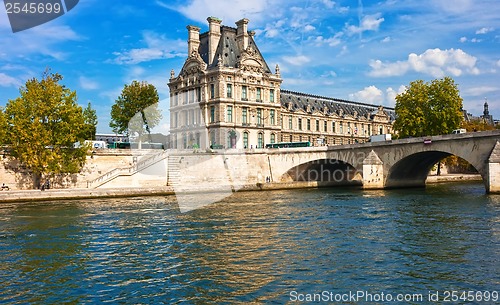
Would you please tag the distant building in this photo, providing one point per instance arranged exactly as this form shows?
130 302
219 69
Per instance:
226 96
486 117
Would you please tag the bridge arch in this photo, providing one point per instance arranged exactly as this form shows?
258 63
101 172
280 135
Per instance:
412 170
325 172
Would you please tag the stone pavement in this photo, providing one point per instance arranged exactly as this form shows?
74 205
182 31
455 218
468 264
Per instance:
60 194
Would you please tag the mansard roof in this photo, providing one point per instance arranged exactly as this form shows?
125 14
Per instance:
228 49
308 102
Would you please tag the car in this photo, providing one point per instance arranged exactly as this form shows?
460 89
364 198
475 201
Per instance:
459 131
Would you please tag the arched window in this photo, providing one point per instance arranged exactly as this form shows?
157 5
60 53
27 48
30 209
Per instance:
273 138
245 140
260 140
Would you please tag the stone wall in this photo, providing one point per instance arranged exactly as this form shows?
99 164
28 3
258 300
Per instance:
99 163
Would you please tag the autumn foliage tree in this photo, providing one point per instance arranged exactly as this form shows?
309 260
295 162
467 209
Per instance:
427 109
477 125
42 126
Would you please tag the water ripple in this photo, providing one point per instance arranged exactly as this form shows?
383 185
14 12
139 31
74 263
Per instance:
251 248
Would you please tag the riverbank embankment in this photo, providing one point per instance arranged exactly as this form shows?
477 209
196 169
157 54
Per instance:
81 193
60 194
453 178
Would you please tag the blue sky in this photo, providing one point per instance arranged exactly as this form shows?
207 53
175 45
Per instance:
365 51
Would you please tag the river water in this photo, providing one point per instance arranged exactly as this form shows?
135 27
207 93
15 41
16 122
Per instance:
273 247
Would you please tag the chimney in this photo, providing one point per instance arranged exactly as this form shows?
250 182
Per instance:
213 37
242 33
193 38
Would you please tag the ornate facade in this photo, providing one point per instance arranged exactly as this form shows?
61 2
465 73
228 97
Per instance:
225 96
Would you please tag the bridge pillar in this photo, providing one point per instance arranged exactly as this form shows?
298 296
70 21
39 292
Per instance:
373 172
493 179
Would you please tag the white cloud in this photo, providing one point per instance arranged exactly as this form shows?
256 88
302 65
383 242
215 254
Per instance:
484 30
38 40
271 33
309 28
298 60
480 91
463 39
329 74
273 30
376 96
371 95
498 63
343 9
391 94
380 69
54 32
157 47
199 9
8 81
458 6
88 84
386 39
332 41
136 56
368 23
434 62
328 3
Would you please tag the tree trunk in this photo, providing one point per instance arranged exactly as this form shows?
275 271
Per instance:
37 177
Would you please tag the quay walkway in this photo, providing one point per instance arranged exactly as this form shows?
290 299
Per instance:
18 196
68 194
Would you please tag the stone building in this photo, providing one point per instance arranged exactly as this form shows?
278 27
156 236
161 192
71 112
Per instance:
486 117
226 96
330 121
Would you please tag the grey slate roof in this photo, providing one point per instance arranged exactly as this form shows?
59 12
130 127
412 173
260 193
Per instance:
228 49
299 100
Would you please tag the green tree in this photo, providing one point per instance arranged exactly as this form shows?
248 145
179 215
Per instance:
90 121
136 110
3 127
426 109
43 123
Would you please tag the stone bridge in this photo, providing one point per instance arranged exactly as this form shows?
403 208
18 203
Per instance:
378 165
391 164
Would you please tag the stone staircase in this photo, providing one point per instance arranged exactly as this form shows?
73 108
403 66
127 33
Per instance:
174 171
142 164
